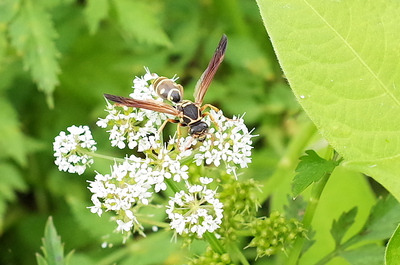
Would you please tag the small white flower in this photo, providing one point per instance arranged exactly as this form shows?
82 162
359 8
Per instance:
72 150
124 226
205 180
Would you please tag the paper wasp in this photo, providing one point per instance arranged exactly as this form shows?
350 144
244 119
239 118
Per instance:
188 113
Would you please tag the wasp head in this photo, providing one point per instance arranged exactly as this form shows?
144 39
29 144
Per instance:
199 130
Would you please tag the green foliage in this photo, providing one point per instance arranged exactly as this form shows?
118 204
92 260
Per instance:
52 248
311 169
357 249
32 34
341 226
210 257
274 234
340 67
392 255
387 212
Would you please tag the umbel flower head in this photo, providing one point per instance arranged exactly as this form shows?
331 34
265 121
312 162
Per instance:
72 151
176 164
196 210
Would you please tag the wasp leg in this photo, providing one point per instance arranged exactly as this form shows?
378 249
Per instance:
209 106
214 109
209 114
165 123
212 118
178 128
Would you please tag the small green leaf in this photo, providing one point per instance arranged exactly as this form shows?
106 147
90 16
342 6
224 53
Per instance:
138 19
392 255
32 34
95 11
370 254
310 169
52 248
341 226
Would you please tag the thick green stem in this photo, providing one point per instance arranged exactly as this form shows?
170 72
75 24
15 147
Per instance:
309 215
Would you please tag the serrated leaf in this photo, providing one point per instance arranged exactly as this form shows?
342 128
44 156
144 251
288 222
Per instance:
392 253
370 254
383 220
310 169
52 248
341 226
40 260
32 34
138 19
95 11
340 58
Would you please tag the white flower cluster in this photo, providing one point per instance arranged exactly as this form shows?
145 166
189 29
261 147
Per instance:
72 151
230 144
196 211
137 127
132 183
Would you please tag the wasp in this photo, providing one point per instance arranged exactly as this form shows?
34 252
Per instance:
187 113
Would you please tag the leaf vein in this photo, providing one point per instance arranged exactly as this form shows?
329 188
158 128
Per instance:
356 54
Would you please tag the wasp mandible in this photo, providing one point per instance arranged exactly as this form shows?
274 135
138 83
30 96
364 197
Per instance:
189 113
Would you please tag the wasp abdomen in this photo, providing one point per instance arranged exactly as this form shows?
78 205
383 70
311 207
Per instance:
167 89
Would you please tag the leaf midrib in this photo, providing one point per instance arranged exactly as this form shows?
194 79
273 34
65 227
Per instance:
359 58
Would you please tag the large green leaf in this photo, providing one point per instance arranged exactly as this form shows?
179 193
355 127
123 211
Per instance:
341 59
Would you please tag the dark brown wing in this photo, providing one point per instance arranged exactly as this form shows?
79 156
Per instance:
144 104
208 75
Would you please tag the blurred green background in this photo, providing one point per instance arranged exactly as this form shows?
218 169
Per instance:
99 47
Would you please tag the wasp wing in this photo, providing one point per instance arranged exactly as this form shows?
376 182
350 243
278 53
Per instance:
208 75
144 104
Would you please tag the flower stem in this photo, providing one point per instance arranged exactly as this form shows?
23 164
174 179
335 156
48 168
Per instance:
94 154
214 243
